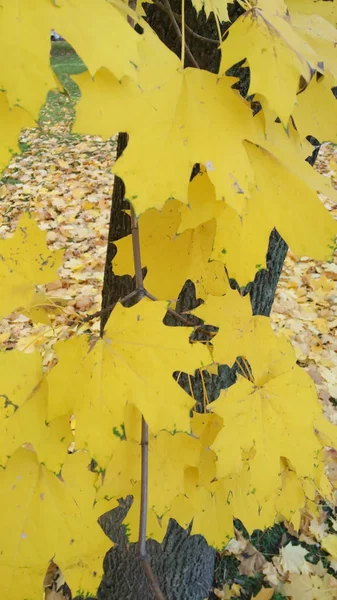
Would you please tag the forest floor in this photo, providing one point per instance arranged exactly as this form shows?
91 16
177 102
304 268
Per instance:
66 182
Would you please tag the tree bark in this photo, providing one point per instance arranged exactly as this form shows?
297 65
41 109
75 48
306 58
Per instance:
114 286
183 563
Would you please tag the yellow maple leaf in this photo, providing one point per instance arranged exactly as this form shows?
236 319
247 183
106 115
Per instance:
177 257
276 55
12 121
265 594
181 468
100 37
166 474
35 500
235 243
206 426
275 418
327 10
170 130
291 498
217 7
321 35
309 587
287 197
329 543
287 147
132 364
208 508
26 75
23 411
25 261
275 411
202 205
312 107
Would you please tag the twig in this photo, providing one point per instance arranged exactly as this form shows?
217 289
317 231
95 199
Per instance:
145 430
143 513
178 32
139 292
170 310
183 42
144 490
111 306
189 29
217 23
136 253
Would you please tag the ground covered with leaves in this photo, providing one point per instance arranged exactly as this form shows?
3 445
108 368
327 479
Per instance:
66 182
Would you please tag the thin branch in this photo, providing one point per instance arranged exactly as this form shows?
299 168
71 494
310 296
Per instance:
190 31
170 310
136 253
217 23
144 490
111 306
183 42
178 32
145 430
143 514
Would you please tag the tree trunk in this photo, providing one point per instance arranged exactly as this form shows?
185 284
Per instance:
183 564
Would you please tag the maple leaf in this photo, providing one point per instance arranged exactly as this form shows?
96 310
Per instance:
133 364
25 261
312 108
265 594
269 418
165 160
287 147
36 501
327 10
23 411
276 55
236 243
329 543
289 199
292 559
309 587
210 511
179 487
275 411
12 121
321 35
217 7
166 476
292 497
26 75
177 257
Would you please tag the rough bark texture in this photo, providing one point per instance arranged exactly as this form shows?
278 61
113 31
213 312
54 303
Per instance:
115 287
183 564
262 290
174 563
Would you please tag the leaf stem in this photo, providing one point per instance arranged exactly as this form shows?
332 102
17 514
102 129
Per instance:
170 310
189 29
183 43
136 253
178 32
145 430
110 307
217 22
